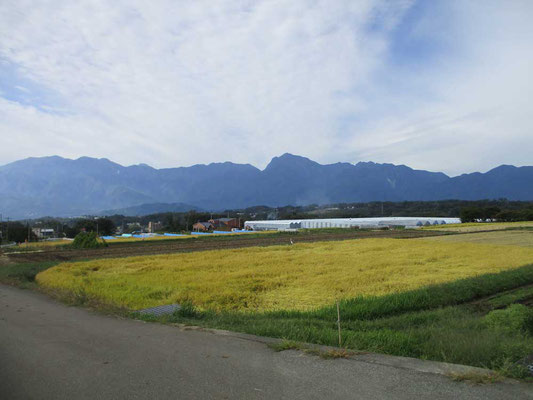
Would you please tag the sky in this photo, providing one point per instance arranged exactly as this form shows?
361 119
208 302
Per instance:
442 85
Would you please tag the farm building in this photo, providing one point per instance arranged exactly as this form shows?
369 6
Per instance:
408 222
225 223
42 233
202 226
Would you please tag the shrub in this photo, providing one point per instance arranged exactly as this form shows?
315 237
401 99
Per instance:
516 318
87 240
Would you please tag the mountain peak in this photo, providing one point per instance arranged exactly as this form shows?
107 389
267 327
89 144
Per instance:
289 160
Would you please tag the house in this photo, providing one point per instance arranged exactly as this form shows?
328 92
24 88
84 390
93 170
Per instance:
154 226
202 226
42 233
225 223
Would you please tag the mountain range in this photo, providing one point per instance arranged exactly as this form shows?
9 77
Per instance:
57 186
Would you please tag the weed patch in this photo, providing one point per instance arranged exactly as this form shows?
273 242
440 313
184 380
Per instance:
478 378
22 275
285 344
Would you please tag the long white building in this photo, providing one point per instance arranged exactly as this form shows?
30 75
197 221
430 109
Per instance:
408 222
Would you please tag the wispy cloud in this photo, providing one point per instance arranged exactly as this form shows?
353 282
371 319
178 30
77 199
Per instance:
176 83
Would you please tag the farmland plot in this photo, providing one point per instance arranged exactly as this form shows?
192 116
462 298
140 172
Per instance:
297 277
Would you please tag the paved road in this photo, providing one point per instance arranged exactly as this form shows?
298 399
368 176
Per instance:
50 351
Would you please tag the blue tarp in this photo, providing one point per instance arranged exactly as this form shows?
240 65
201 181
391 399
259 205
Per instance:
200 233
222 232
108 237
126 235
174 234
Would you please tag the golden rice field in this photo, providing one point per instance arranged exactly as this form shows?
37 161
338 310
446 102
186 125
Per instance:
44 244
299 277
148 239
522 238
187 236
479 226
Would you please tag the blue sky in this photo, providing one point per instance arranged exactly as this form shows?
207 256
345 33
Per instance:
442 85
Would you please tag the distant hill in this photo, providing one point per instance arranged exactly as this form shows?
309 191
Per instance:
62 187
152 208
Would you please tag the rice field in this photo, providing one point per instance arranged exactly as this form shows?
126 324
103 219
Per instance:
292 277
46 244
120 239
523 238
479 226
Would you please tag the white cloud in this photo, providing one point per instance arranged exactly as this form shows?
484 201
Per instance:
176 83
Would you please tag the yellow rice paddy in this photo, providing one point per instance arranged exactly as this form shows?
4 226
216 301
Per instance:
300 277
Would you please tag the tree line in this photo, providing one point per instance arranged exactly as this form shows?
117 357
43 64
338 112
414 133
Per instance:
468 211
474 214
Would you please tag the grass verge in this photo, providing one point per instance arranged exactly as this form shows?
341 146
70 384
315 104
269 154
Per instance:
22 275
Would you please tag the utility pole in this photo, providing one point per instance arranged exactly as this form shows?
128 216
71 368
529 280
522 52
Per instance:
7 230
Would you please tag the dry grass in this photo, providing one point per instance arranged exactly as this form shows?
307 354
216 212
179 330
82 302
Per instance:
330 354
297 277
41 245
514 238
479 226
478 378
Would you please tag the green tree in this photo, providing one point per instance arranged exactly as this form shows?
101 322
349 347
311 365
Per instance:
87 240
16 232
471 214
104 226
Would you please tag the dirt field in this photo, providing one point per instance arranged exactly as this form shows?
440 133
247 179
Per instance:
522 238
480 226
201 244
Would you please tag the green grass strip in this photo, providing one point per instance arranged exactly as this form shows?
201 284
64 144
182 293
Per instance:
429 297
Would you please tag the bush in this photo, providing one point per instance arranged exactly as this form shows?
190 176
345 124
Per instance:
516 318
87 240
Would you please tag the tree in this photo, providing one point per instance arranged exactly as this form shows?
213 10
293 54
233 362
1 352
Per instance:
103 226
16 232
471 214
87 240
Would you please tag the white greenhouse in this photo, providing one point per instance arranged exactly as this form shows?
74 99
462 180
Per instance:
408 222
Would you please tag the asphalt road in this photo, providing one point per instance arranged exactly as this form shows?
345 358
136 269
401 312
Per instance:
51 351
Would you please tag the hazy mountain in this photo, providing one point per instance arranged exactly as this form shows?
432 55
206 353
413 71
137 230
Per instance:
62 187
152 208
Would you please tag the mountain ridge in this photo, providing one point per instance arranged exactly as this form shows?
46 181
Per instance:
59 186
